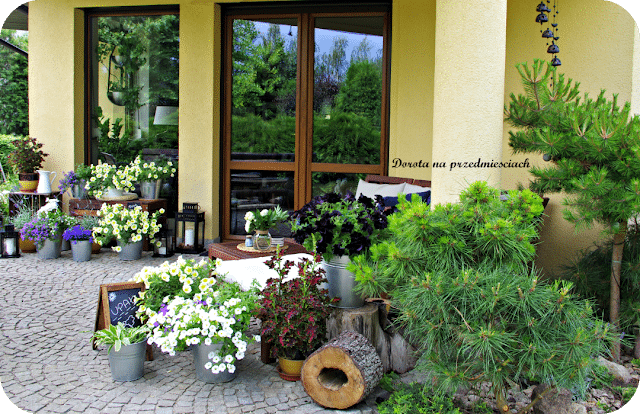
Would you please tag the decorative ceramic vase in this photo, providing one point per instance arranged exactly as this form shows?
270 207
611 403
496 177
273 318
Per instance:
50 249
130 251
262 240
28 182
127 364
201 357
150 189
289 369
27 246
81 250
341 282
113 192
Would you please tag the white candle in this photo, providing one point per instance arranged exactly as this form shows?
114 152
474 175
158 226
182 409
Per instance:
189 239
10 247
162 250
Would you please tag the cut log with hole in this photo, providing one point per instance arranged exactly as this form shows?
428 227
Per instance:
343 372
371 321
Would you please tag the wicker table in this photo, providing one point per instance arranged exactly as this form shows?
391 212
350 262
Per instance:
229 250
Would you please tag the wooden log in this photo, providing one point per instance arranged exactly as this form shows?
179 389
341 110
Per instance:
371 320
342 372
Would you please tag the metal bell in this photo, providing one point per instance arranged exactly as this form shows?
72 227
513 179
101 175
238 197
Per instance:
555 61
542 18
553 48
542 8
547 33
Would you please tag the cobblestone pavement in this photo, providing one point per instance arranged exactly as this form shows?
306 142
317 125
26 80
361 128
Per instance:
47 315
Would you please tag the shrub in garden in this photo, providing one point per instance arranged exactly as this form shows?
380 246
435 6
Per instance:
461 280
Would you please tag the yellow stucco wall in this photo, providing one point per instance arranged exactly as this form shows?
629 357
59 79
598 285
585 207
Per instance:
435 104
597 49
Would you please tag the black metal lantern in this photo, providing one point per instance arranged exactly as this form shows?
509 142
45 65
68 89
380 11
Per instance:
9 239
165 243
190 225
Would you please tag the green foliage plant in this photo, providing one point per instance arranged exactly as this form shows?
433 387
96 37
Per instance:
14 88
418 399
594 149
590 272
118 335
460 277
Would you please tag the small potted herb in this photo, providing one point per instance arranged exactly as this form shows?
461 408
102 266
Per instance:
81 240
338 227
294 313
26 158
127 346
260 222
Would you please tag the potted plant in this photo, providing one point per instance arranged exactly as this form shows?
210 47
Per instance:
127 226
24 215
337 227
110 181
260 222
127 346
91 222
294 313
76 181
185 306
26 158
81 240
151 174
46 231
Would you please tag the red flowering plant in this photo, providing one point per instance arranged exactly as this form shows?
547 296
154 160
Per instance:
294 311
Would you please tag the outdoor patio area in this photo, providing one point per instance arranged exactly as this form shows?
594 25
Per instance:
47 316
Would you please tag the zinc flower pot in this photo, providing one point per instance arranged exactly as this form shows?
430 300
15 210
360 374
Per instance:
341 283
127 364
81 250
50 249
201 358
78 190
150 189
130 251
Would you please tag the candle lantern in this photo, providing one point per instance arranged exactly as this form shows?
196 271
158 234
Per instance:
190 224
165 243
9 239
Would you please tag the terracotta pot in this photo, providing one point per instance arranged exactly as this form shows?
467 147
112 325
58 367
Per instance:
95 248
28 182
27 246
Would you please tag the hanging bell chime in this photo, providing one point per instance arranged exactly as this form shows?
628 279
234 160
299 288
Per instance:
547 33
542 8
553 49
555 61
542 18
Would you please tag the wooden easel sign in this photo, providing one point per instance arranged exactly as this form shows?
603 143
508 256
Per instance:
117 303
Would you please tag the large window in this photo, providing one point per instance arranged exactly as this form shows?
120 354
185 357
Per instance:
305 106
132 91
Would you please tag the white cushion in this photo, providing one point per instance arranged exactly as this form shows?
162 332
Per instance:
373 189
410 189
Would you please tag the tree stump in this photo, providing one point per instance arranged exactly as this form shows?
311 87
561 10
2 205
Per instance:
371 321
343 372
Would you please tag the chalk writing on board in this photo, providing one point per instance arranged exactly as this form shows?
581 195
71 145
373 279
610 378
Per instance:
122 307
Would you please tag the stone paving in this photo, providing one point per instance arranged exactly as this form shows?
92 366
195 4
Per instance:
47 316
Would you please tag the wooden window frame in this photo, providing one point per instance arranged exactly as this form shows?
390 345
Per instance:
303 166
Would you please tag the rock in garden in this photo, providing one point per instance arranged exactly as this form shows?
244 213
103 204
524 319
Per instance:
556 401
620 372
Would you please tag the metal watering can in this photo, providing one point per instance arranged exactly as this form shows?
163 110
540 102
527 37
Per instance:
44 183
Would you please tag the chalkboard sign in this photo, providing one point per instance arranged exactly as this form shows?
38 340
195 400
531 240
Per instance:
116 303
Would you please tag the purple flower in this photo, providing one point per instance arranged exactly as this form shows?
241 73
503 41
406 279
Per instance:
77 232
69 180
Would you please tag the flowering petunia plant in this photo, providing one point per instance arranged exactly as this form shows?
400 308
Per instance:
198 310
125 224
332 225
152 170
105 176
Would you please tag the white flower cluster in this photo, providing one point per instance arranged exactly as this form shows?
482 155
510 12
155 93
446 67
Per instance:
250 217
125 224
151 171
183 322
105 175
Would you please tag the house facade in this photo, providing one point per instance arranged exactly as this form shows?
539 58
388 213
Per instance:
448 69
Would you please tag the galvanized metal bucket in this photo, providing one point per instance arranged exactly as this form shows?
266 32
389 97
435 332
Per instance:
81 250
342 282
128 363
201 357
130 251
50 249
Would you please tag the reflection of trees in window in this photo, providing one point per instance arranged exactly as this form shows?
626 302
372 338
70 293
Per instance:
140 56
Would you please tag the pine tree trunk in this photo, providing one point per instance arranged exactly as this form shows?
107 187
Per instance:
616 267
343 372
